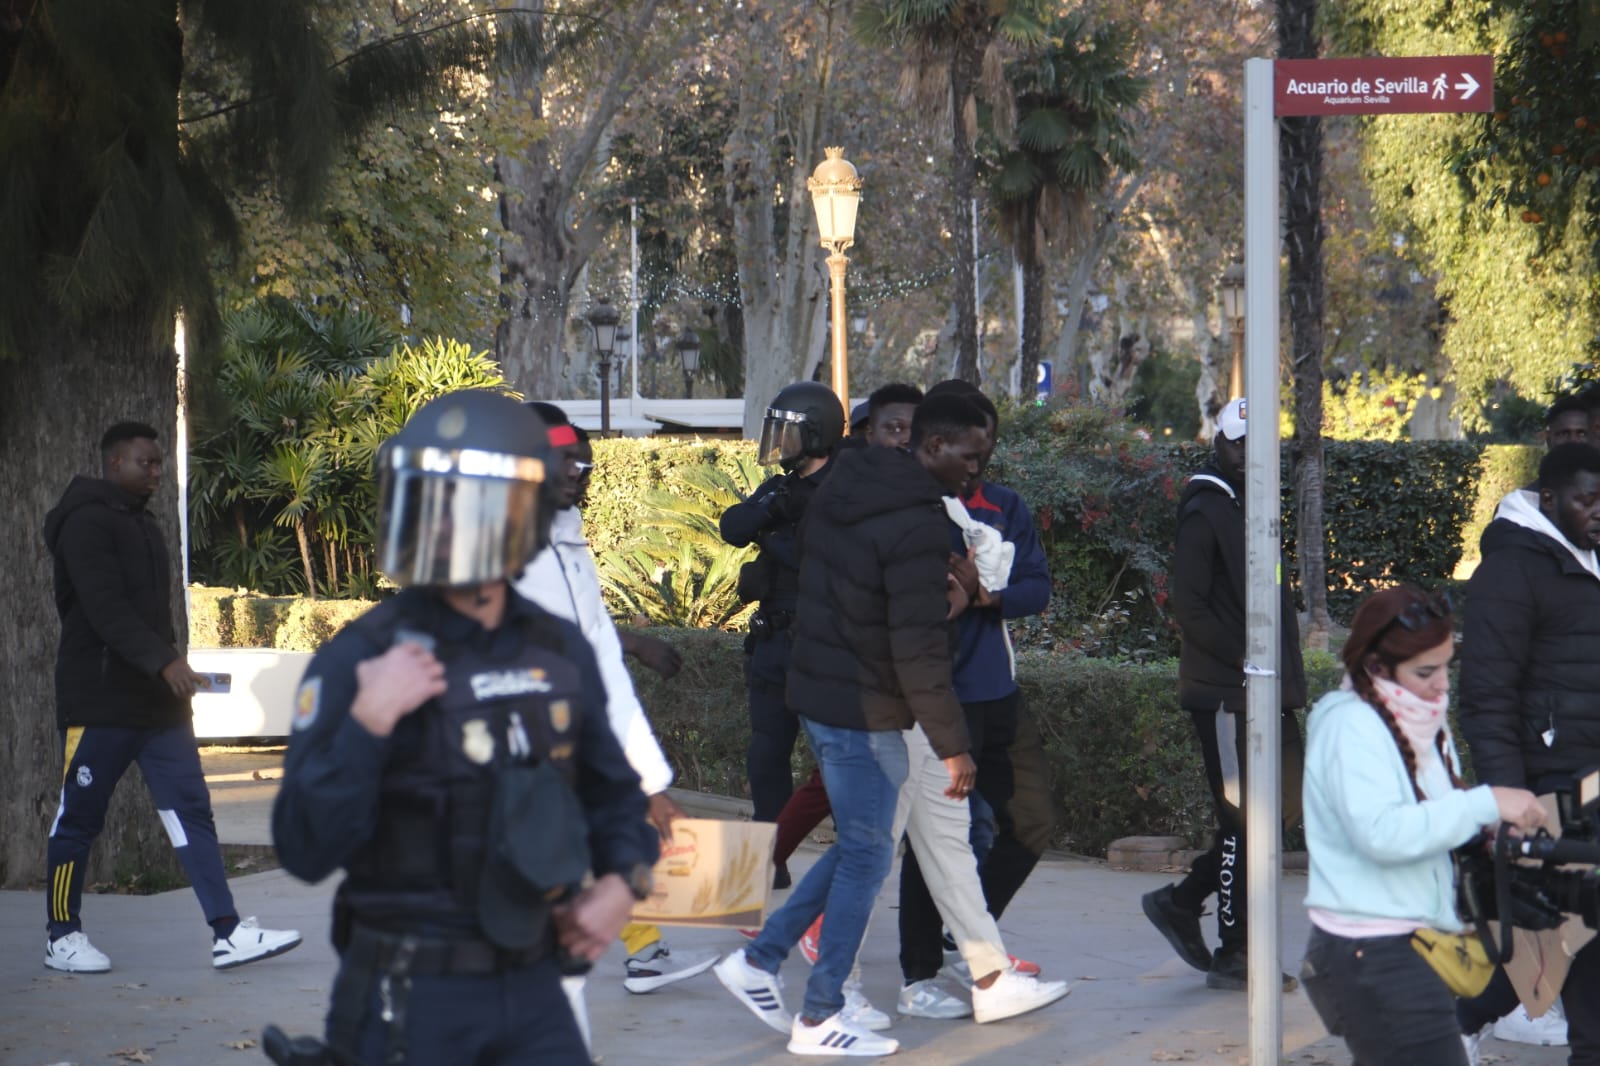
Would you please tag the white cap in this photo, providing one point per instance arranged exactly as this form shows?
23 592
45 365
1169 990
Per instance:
1230 420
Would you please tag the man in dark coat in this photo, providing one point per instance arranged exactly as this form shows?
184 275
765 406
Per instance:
1208 595
872 656
122 694
1530 663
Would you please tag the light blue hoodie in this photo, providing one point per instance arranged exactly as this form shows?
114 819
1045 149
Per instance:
1375 851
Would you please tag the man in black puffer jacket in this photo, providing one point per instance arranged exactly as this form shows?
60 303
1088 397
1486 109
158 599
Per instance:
1208 593
1530 664
872 656
122 695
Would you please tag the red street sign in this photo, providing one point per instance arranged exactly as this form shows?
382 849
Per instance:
1383 85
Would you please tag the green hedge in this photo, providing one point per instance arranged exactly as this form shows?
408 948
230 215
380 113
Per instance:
1124 756
1504 467
626 467
234 618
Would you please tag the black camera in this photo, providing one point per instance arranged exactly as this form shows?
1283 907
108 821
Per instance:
1499 881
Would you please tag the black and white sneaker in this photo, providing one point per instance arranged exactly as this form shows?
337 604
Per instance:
835 1036
756 989
658 966
249 943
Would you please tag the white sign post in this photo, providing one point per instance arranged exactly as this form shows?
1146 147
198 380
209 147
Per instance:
1366 86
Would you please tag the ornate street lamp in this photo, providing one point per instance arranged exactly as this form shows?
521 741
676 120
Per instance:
604 318
836 193
1232 286
688 345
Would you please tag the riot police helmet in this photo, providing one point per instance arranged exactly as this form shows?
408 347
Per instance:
805 420
465 491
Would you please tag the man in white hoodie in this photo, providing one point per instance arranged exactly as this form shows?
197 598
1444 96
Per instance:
1530 668
562 579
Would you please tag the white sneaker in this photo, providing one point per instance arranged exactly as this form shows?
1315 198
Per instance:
249 943
756 989
1471 1042
658 966
958 971
1012 994
74 954
1547 1030
930 999
835 1036
859 1011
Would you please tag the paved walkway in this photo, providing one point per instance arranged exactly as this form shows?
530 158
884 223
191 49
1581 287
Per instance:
1132 1001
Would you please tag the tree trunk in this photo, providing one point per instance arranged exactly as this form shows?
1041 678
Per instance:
1300 159
1032 298
965 64
53 409
550 241
783 283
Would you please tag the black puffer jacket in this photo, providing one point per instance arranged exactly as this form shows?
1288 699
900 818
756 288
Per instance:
112 594
1208 591
872 650
1530 659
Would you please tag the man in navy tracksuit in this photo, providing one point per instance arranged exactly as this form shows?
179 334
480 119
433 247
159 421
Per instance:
122 696
1013 815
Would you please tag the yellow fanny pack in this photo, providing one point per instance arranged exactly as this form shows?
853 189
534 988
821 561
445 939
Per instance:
1458 958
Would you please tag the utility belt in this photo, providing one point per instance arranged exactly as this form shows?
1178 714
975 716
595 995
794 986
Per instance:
766 624
378 951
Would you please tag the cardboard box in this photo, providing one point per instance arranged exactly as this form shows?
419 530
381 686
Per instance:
712 873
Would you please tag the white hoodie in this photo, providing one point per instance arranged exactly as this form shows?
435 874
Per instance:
1522 507
562 579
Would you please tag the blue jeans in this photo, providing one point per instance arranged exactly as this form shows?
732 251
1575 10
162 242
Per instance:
862 771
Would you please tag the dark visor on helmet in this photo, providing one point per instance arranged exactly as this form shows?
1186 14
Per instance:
782 437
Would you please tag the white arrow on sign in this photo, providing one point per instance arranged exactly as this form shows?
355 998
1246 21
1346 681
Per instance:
1467 86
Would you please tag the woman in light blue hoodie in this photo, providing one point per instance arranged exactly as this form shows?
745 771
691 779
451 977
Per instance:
1384 806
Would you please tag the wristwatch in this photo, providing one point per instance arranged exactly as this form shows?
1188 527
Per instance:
640 879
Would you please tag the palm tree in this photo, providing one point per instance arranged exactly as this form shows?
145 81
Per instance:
1072 97
122 129
952 52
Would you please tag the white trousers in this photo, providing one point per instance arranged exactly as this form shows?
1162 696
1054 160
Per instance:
940 830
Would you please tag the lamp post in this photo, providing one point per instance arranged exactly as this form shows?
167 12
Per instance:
688 345
604 318
836 193
1232 286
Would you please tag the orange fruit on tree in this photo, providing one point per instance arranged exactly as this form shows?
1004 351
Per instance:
1543 179
1532 216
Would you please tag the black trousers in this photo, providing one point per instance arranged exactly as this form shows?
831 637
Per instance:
1384 999
773 727
1221 870
1011 770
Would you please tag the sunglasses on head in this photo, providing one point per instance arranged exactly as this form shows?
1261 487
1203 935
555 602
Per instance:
1416 616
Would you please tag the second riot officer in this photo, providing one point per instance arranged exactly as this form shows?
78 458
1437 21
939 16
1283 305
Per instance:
451 752
803 424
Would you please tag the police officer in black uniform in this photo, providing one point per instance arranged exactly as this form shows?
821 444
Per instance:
451 751
803 425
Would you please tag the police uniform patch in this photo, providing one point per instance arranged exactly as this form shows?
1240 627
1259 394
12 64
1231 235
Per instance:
307 701
476 741
560 716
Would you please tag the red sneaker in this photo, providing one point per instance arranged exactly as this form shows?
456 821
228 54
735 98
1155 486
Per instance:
811 941
1024 967
749 934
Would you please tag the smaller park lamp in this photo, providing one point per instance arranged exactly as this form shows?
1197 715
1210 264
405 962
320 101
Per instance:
688 345
604 318
1232 286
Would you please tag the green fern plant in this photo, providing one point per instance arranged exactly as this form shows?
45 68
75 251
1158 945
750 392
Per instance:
678 571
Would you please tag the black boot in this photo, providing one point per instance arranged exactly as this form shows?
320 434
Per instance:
1230 972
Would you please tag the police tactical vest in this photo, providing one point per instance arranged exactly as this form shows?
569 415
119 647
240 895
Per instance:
422 863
